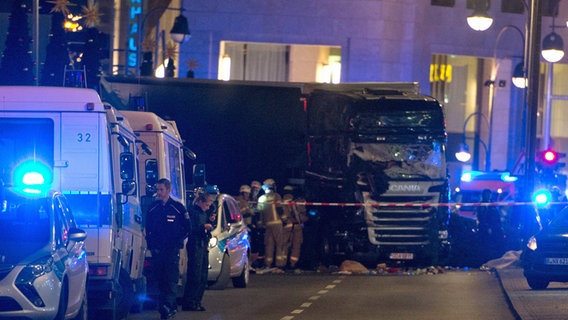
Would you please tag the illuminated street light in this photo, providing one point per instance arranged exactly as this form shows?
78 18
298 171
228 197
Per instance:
552 47
463 154
479 20
179 33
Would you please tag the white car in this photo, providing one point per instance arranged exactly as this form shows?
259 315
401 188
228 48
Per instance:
43 263
229 247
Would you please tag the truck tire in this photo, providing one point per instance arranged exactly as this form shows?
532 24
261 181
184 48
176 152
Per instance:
224 275
127 296
242 279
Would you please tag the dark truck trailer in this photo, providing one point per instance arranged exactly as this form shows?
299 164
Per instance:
363 143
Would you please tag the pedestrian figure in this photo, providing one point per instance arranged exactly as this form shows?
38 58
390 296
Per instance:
197 250
166 228
489 228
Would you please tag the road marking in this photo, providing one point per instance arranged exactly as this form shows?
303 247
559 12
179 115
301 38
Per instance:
313 298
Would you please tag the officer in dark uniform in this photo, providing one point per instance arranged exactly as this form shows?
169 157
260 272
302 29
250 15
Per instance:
197 248
166 228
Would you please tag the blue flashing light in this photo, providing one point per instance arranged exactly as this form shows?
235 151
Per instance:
542 197
32 178
468 176
507 178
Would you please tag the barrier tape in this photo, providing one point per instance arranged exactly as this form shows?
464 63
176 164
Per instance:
422 205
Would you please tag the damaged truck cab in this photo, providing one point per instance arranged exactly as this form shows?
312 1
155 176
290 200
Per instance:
381 146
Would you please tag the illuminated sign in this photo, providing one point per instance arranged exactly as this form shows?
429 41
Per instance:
441 72
133 29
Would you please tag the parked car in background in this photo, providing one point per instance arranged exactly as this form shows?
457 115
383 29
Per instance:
229 246
545 257
43 263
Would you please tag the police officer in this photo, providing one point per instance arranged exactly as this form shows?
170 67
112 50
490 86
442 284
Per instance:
166 228
197 250
270 210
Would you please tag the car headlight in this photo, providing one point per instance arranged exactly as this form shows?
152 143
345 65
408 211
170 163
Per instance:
532 244
213 242
26 278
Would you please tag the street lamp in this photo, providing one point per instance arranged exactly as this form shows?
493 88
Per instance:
479 20
179 33
552 47
463 154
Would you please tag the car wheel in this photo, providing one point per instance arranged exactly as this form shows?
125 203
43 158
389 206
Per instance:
224 275
82 315
537 283
63 300
242 280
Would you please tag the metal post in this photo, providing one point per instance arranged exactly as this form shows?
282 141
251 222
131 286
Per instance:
548 108
533 62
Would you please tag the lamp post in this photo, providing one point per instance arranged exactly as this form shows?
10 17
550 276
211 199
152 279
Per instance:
463 154
491 83
179 33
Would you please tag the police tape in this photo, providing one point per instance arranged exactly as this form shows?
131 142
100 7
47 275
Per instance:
422 205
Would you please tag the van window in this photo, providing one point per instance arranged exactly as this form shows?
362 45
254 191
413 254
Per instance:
175 169
23 139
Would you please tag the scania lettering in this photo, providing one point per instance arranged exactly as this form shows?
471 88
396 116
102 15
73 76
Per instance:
91 150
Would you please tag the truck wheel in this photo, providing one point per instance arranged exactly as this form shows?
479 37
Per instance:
126 299
224 275
242 280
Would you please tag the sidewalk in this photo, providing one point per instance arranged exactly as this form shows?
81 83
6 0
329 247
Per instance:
528 304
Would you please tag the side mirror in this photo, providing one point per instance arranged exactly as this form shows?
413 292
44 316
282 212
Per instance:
127 166
151 169
77 235
128 187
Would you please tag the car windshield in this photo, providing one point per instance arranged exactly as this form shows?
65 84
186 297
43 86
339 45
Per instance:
24 227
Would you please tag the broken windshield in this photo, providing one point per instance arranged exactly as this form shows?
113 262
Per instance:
424 161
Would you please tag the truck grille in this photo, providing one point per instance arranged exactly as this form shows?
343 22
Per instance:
406 226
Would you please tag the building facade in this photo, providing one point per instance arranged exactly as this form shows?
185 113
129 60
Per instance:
428 42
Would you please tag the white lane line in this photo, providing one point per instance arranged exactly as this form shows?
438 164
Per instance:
313 298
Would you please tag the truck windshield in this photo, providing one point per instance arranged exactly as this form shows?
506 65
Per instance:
22 140
424 161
